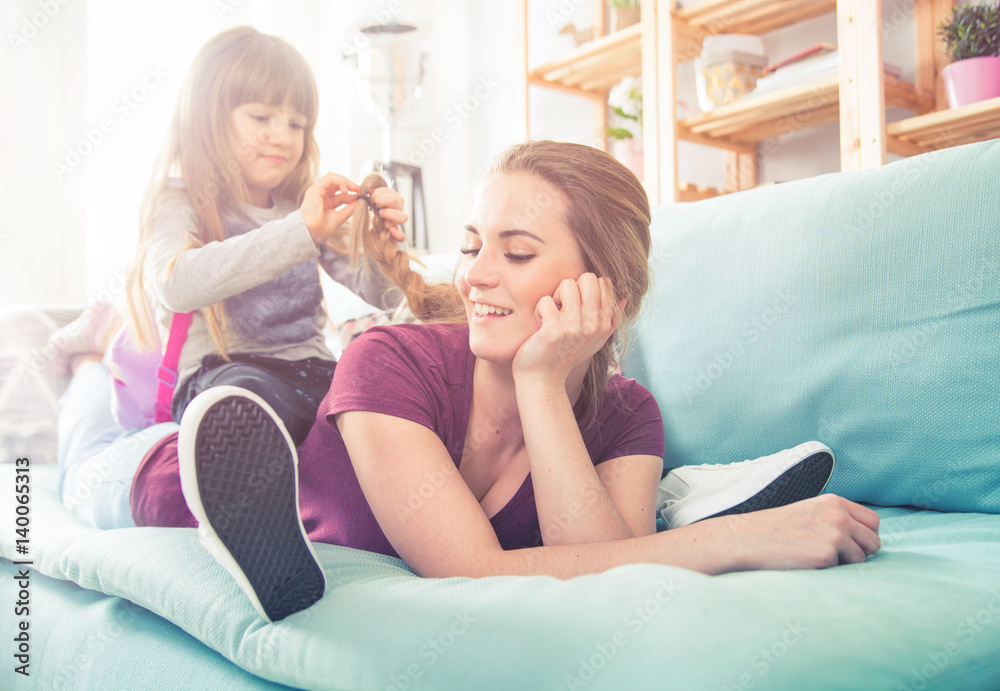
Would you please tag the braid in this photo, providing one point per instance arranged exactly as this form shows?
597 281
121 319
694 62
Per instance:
434 302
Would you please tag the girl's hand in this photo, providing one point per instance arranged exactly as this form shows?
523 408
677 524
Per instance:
327 204
574 324
389 205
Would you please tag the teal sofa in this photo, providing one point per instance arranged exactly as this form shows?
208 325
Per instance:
861 310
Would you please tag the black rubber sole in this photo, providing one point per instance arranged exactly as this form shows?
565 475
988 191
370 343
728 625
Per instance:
246 482
804 480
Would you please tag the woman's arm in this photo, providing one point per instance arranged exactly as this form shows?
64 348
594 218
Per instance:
576 500
574 324
448 534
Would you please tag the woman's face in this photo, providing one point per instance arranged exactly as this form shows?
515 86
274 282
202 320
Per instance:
517 250
267 141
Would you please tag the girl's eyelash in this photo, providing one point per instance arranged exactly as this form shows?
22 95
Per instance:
265 118
470 250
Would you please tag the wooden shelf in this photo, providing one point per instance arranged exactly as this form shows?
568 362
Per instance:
792 108
595 66
692 193
941 129
751 16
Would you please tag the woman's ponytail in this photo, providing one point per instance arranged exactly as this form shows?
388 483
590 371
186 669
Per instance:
429 302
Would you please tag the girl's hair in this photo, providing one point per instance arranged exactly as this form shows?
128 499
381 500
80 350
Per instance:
239 65
606 209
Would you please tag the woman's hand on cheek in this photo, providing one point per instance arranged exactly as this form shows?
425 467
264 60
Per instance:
574 323
327 204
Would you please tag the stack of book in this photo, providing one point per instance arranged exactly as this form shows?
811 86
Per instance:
815 63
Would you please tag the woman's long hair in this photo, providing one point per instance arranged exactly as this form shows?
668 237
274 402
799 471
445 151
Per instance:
607 211
239 65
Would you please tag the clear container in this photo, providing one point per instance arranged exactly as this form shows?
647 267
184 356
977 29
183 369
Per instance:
728 68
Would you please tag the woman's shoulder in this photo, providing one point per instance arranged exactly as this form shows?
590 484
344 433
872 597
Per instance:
400 356
619 383
429 340
628 395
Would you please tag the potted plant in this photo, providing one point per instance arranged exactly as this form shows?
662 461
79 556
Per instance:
625 101
972 37
623 13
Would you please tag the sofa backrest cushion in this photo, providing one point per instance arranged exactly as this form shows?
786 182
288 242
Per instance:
858 309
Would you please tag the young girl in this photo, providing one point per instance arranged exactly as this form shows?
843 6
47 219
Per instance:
504 444
233 230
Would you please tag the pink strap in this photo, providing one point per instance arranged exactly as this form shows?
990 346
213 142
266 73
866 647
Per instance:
166 373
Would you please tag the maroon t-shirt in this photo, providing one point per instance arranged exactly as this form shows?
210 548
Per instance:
422 373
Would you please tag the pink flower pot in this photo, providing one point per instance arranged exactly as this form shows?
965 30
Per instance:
971 80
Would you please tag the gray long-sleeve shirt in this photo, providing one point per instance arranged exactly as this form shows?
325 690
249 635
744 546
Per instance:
265 272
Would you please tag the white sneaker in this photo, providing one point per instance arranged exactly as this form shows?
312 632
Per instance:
239 476
695 492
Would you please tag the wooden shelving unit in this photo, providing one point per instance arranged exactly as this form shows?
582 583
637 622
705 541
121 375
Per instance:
812 103
595 66
857 97
941 129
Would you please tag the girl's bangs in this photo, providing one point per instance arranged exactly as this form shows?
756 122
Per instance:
270 73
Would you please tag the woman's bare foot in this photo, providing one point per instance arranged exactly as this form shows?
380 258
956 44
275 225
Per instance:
89 334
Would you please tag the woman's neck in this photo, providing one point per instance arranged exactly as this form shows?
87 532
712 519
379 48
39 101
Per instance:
494 416
494 399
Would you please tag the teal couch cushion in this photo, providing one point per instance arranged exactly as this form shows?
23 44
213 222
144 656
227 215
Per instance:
860 309
924 613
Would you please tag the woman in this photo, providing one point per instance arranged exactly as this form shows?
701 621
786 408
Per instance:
499 446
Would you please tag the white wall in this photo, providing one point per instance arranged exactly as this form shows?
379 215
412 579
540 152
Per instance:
66 235
43 66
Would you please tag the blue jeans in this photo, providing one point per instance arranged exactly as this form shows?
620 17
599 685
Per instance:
97 458
294 389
